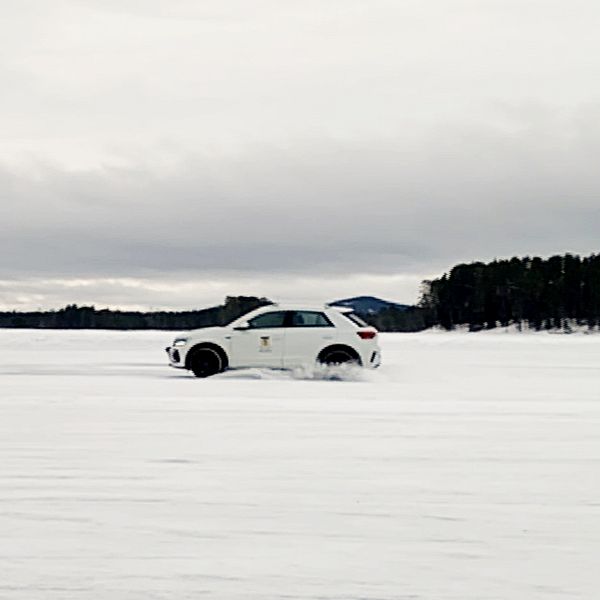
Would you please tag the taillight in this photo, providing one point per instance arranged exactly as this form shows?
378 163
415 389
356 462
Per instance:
367 335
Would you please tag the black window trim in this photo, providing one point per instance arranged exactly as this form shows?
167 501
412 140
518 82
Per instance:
268 312
290 320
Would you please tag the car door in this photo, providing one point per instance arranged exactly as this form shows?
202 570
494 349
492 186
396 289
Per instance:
261 344
308 332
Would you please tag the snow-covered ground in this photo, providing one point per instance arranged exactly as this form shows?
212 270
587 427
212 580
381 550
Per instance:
467 467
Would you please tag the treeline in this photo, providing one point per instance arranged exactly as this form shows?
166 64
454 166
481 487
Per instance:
411 319
88 317
541 293
538 293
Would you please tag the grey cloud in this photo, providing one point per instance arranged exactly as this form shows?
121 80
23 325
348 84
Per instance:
369 207
216 140
172 291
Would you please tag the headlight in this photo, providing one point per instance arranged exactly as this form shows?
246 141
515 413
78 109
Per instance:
180 342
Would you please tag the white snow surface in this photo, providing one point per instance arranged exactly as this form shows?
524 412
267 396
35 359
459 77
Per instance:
466 467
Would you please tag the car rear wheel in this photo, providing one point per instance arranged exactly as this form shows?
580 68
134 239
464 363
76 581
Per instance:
206 362
339 356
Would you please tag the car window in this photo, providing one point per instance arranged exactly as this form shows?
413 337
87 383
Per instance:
270 319
309 318
355 319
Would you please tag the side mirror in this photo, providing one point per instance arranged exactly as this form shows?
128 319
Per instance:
242 326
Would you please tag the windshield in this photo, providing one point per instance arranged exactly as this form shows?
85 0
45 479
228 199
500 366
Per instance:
241 319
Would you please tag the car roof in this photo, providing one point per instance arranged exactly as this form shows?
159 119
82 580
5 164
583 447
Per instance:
309 307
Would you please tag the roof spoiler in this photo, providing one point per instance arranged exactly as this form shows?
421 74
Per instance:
340 308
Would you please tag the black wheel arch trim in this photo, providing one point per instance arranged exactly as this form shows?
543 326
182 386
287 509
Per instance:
340 347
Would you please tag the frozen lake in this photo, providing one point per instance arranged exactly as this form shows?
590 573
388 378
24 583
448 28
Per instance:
467 467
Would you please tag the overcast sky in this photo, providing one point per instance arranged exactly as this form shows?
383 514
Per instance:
165 153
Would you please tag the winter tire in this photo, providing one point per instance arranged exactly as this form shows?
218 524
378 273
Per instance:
206 362
338 356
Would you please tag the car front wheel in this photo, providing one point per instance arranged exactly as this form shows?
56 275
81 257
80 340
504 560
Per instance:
206 362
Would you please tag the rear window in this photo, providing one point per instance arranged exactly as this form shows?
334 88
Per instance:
355 319
309 318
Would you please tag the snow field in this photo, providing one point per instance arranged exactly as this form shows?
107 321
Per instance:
467 467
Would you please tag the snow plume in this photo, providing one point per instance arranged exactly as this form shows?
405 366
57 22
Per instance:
318 372
315 372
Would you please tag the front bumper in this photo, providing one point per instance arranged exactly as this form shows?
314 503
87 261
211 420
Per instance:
175 357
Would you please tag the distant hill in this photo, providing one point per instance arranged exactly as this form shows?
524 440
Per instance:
385 315
88 317
368 305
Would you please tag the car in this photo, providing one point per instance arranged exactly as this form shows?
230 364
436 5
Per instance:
278 337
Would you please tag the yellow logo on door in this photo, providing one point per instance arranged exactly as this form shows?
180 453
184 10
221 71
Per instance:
265 344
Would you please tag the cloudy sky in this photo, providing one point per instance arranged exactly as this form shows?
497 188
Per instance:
165 153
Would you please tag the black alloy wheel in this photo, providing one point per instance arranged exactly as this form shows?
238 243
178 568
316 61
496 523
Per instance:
339 356
206 362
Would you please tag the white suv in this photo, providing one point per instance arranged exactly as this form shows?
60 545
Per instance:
278 337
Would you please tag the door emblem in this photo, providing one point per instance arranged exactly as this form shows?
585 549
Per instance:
265 344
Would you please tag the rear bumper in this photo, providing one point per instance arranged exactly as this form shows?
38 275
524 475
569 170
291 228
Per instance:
370 358
375 359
